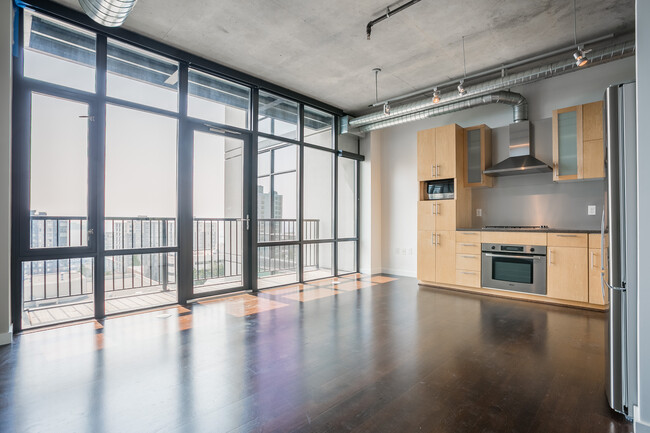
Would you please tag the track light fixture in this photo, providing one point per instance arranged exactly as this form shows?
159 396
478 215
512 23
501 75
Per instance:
581 57
581 54
386 108
461 89
109 13
436 96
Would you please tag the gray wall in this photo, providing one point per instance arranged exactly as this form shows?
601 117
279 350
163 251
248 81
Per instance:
399 186
6 18
642 414
535 199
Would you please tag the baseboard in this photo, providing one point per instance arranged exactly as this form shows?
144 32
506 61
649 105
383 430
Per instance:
399 272
639 426
370 271
7 337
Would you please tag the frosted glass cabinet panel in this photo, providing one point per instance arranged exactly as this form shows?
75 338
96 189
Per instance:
478 155
567 143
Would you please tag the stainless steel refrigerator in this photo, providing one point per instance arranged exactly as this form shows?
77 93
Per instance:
620 222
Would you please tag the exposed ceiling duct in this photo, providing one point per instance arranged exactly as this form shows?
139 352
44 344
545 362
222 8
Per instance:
452 101
109 13
515 100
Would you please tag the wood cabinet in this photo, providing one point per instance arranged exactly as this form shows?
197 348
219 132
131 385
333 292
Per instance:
437 152
567 276
426 255
437 256
437 215
477 156
595 265
468 259
578 147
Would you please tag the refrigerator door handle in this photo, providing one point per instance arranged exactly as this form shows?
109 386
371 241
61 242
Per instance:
620 289
602 252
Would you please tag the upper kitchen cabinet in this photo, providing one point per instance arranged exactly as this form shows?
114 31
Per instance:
437 152
578 142
477 156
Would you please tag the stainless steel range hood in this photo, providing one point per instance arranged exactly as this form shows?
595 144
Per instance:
521 159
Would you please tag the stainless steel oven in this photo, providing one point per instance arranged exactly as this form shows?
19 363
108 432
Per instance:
519 268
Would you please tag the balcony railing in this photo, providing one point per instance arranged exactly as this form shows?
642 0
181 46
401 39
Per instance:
217 253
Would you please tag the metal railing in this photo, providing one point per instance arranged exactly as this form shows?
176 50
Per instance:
217 253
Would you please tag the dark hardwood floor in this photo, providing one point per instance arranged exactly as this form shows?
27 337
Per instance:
373 355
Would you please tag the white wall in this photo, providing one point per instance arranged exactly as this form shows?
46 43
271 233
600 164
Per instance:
642 414
6 18
370 197
399 151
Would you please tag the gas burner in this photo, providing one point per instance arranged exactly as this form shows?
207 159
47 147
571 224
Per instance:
516 227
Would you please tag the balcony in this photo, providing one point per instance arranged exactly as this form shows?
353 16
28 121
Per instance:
62 290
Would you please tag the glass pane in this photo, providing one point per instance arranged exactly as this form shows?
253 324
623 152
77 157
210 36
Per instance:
318 261
347 257
277 192
277 116
56 291
137 281
474 174
217 100
568 143
348 143
58 172
217 225
347 198
277 265
318 194
58 53
318 127
140 179
140 76
513 270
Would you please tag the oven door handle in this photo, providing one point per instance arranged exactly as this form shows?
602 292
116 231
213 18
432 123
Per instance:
509 256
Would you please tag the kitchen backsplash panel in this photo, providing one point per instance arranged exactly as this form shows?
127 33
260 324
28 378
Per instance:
534 199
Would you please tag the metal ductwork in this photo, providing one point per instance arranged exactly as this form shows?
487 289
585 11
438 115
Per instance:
518 103
109 13
450 101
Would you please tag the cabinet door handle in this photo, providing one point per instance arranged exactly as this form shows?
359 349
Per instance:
469 257
468 273
432 173
437 170
433 208
550 256
468 245
567 236
432 241
437 239
437 208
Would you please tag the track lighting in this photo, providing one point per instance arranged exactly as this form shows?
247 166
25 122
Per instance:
386 108
581 57
436 96
461 89
109 13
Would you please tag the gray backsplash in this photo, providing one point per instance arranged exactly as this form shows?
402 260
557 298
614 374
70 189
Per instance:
534 199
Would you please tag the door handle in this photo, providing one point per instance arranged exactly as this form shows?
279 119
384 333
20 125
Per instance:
91 232
248 222
432 173
509 256
468 273
432 241
437 170
437 208
567 236
468 245
550 256
437 239
469 257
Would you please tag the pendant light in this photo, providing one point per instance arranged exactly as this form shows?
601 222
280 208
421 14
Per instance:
461 88
386 104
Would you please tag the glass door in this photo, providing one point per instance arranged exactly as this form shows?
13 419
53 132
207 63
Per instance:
220 218
57 239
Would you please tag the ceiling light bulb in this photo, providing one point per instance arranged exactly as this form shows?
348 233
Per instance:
436 96
581 57
386 108
461 89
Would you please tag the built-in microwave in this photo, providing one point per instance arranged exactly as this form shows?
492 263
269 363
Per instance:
440 189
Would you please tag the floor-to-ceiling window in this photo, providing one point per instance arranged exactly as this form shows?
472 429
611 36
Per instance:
143 180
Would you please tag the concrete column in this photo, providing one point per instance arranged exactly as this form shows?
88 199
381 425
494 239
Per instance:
370 204
6 37
642 412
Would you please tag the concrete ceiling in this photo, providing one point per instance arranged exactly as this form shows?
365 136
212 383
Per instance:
319 48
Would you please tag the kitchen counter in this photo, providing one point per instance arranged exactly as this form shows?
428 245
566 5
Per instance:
549 230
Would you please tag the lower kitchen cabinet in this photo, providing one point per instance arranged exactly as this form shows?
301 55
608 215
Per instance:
567 275
437 256
595 289
426 255
446 257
